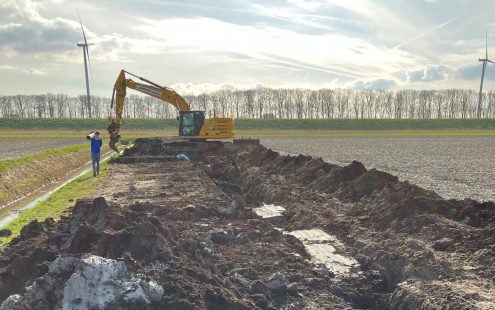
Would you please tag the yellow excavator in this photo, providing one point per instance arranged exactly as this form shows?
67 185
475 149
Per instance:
192 124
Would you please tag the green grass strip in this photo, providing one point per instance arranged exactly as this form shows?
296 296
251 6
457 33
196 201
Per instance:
58 203
363 124
368 133
253 124
84 124
11 163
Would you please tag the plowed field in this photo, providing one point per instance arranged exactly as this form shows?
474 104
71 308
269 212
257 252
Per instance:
454 167
11 148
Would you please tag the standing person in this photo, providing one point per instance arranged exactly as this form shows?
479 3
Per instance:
96 143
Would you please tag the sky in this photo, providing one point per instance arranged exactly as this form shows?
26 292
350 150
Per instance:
199 46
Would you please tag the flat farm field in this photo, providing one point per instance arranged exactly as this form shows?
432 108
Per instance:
454 167
14 147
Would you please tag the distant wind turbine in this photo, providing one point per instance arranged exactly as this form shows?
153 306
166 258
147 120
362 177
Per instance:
86 62
485 61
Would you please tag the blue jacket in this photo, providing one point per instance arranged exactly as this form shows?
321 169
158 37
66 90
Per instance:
96 143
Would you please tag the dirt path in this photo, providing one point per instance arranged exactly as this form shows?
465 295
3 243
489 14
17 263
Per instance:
183 235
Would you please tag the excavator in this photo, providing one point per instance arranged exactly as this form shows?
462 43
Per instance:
192 124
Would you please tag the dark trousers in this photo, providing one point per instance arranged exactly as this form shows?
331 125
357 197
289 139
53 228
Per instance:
95 158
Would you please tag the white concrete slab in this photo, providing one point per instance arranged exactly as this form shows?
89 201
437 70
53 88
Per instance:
324 249
268 211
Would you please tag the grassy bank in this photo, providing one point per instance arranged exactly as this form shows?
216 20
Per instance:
58 203
24 175
26 160
84 125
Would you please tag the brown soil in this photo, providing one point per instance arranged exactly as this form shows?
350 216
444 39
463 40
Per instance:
183 235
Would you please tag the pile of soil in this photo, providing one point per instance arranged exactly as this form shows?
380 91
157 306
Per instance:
430 251
176 234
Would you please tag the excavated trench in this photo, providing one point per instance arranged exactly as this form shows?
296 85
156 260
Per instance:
244 227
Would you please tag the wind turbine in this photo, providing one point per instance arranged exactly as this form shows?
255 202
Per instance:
86 62
485 61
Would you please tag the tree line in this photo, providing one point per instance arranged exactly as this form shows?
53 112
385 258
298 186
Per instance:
267 103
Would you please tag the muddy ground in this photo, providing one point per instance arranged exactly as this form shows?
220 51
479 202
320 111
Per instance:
170 234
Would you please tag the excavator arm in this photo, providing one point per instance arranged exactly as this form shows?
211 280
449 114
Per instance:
151 89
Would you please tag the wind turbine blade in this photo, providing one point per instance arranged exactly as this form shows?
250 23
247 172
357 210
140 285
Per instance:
82 28
86 47
490 61
486 43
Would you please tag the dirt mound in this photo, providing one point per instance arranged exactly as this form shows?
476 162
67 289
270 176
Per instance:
126 244
149 146
184 235
401 231
169 148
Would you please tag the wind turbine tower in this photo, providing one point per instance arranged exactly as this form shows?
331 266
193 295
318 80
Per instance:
86 63
485 61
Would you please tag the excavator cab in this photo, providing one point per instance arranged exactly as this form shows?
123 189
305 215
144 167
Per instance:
191 123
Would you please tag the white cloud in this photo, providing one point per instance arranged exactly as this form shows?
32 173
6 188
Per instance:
331 53
431 73
25 70
195 89
7 67
379 84
200 45
306 4
424 33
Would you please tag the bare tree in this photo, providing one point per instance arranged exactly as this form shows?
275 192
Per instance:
203 102
6 109
489 112
40 101
96 103
358 104
425 99
326 100
148 102
61 104
267 103
312 106
50 104
453 95
343 98
369 98
224 98
249 97
280 98
83 104
263 98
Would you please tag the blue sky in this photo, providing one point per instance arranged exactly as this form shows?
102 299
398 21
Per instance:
195 46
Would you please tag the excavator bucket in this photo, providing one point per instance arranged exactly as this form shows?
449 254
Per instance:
113 141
